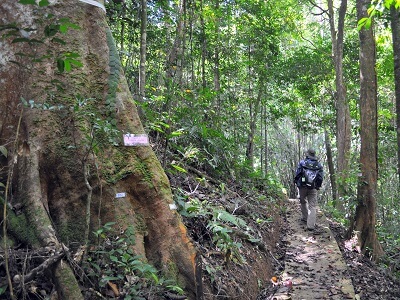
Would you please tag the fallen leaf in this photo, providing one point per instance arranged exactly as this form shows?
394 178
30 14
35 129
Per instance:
114 288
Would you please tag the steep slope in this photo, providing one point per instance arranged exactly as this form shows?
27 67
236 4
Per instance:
237 234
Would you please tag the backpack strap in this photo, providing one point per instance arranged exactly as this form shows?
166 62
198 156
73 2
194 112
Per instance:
311 164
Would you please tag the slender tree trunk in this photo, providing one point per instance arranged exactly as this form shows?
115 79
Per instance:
123 11
217 85
191 81
48 181
343 120
395 25
182 61
174 64
254 108
203 46
365 217
266 142
329 158
262 139
143 50
299 146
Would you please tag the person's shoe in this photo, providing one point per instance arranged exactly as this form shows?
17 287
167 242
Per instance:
317 230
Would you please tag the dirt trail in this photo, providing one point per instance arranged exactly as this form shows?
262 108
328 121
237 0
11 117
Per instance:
314 266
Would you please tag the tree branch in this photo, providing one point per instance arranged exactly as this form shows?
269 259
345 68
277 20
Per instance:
39 269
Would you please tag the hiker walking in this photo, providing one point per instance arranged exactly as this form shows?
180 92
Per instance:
308 178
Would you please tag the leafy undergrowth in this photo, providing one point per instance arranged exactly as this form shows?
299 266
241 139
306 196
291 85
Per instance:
236 231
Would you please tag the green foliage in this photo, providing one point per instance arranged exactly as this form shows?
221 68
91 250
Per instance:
331 210
188 155
113 260
67 60
42 106
212 272
33 2
221 224
102 232
3 150
376 9
388 235
3 289
97 132
51 32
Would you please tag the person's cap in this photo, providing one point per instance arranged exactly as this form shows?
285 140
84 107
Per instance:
311 152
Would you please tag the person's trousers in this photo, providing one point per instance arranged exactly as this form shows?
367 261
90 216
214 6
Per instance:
308 201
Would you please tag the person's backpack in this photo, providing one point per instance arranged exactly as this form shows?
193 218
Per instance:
309 174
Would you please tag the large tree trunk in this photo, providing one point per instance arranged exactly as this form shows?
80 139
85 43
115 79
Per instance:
365 218
53 145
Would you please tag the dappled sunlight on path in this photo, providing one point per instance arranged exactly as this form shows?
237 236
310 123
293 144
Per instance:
314 266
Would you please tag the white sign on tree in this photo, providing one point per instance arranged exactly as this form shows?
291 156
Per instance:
136 139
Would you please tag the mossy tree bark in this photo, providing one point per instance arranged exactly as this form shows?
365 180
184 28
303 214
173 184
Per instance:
79 95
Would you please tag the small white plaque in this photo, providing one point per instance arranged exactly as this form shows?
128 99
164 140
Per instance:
136 139
173 206
120 195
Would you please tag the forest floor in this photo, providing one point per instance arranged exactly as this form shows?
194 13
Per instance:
253 246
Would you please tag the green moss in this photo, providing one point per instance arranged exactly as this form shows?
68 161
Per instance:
125 162
115 169
172 270
67 153
72 230
142 168
40 219
66 282
140 224
172 273
113 78
19 227
94 87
